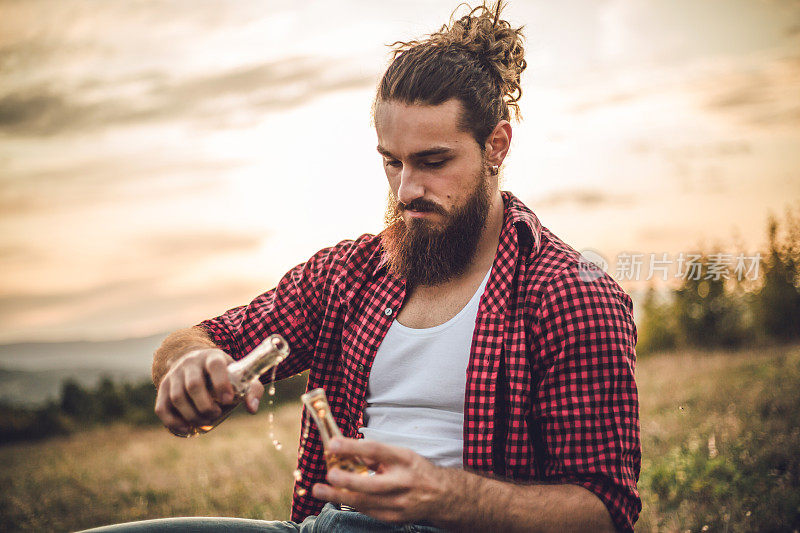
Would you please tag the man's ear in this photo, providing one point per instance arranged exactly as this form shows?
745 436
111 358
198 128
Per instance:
498 143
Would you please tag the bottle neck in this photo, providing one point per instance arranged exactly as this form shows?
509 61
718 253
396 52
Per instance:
265 356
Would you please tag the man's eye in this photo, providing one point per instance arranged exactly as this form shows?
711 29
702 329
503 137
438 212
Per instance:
435 164
393 163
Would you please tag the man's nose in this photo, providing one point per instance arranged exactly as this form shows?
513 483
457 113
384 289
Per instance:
411 186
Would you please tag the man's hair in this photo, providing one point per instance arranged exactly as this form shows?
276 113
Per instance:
477 59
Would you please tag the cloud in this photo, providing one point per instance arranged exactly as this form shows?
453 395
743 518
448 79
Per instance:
604 101
117 310
18 253
49 108
162 296
167 255
106 179
194 246
764 96
20 303
587 199
719 149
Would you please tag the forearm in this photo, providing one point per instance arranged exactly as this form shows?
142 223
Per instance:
175 346
474 503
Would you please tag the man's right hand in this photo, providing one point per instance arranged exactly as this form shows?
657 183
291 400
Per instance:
191 392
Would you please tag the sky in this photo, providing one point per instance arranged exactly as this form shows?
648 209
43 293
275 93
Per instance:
161 162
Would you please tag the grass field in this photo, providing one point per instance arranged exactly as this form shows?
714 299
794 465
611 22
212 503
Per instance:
720 434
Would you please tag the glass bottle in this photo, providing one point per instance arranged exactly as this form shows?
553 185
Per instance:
243 373
317 404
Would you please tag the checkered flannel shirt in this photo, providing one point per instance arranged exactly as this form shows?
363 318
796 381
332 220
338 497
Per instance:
550 394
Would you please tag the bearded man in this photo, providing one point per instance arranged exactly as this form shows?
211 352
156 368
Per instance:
467 357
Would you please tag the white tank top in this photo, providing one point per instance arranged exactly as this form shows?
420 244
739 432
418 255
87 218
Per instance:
416 388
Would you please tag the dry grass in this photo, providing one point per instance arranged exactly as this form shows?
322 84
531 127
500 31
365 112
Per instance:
119 474
704 403
678 392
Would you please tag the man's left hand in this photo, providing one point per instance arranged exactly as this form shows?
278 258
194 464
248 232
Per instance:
406 487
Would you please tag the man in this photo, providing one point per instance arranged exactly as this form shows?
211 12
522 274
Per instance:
466 331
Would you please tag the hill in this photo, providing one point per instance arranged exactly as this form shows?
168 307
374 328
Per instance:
31 373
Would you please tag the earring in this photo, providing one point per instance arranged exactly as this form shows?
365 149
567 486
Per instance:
495 169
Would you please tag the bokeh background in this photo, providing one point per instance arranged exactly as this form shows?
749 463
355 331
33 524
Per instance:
161 162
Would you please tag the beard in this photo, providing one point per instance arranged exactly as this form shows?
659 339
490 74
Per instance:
424 253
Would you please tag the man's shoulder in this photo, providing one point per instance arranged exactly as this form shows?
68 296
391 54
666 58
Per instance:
552 263
556 257
563 272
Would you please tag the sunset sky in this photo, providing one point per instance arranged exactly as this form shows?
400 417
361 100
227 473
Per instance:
161 162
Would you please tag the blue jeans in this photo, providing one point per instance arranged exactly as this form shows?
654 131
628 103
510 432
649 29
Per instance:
330 519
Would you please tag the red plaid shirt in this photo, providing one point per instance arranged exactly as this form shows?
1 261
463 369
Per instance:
550 393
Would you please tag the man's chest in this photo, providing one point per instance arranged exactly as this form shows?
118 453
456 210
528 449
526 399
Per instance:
431 307
499 385
419 312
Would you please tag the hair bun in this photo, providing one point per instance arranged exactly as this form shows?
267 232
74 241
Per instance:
493 41
476 58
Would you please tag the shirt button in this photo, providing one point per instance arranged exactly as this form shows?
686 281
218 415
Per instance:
360 368
387 311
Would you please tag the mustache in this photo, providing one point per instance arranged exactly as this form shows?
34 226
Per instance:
422 206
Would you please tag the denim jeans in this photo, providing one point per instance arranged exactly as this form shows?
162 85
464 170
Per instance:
330 519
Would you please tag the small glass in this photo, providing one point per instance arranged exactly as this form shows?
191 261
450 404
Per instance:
317 404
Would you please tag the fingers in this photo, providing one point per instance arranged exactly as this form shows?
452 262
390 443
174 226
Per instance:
376 484
168 416
216 367
378 506
197 388
371 451
382 456
254 396
179 400
186 395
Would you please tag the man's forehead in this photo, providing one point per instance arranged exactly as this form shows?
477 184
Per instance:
417 127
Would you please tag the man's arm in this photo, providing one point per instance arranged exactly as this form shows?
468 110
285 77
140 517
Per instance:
190 367
484 504
191 375
407 488
585 407
175 346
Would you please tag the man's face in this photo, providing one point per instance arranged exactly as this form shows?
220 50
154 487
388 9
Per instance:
440 190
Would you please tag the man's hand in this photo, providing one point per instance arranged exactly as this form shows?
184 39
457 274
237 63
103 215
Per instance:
191 392
408 488
405 487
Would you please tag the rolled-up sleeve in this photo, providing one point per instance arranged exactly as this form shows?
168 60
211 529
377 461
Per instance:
586 404
291 309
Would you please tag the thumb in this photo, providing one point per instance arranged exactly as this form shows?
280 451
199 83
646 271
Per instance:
254 396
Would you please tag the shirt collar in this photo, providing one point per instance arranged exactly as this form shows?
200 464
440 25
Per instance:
529 229
516 215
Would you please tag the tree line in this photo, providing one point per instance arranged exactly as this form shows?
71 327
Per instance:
78 407
730 311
